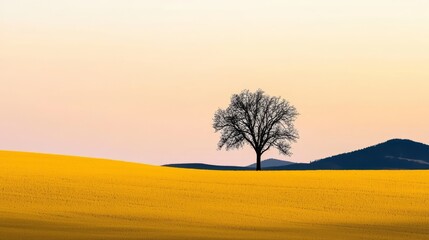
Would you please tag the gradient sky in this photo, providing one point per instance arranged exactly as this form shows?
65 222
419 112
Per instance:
141 80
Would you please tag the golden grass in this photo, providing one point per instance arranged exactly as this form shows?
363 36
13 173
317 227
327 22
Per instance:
59 197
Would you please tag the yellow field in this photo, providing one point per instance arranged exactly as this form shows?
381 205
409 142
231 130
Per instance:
58 197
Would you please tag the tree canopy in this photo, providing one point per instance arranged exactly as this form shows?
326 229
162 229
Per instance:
257 119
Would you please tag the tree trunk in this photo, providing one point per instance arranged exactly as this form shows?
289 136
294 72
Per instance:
258 161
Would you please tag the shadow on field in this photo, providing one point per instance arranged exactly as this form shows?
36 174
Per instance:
147 228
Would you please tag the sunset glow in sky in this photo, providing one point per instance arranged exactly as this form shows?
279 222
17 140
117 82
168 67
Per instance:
141 80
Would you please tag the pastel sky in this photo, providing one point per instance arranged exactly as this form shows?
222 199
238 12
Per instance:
141 80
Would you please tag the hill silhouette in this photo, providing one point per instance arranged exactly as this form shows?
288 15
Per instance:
205 166
268 163
393 154
271 162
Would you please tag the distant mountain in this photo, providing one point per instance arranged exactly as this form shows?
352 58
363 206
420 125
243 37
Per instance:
265 164
271 163
393 154
205 166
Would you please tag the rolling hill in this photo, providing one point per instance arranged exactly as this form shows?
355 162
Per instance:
63 197
271 163
265 164
393 154
203 166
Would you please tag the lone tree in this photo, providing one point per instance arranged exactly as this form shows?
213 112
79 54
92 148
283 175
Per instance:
259 120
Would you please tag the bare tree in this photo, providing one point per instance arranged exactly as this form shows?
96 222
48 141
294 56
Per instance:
259 120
